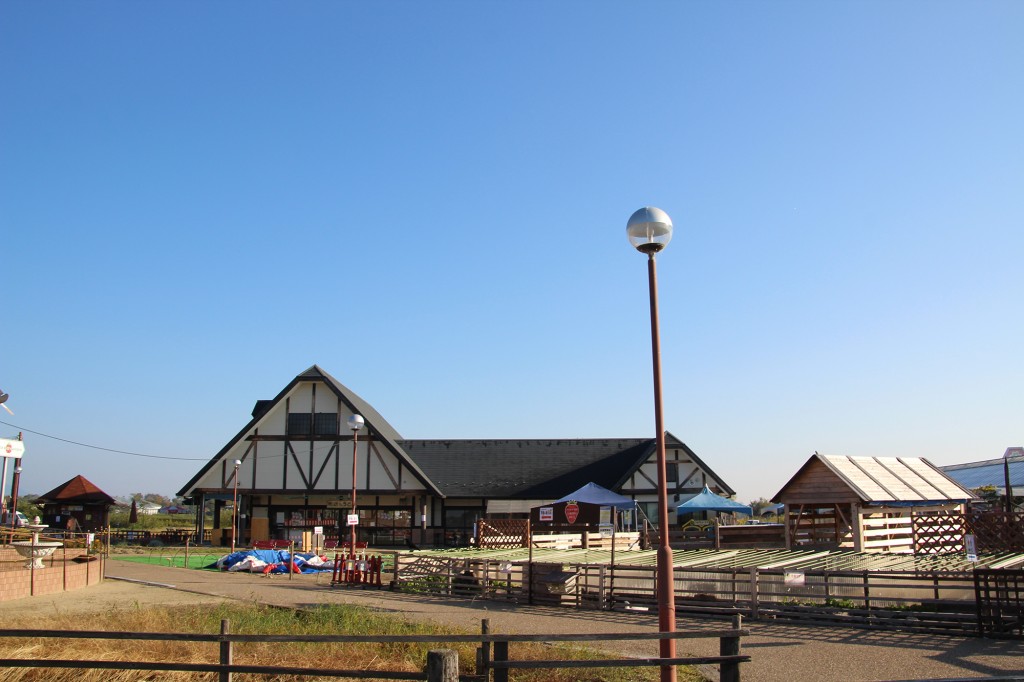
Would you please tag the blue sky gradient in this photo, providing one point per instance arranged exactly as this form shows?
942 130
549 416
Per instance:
199 201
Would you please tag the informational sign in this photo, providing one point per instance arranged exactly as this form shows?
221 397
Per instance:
12 448
627 517
793 578
547 513
572 512
318 530
606 530
353 519
971 545
605 516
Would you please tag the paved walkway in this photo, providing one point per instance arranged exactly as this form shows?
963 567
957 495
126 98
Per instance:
780 652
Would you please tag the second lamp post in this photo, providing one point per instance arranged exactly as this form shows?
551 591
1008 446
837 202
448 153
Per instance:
649 231
355 422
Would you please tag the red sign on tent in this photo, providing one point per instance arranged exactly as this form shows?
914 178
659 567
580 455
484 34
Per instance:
572 511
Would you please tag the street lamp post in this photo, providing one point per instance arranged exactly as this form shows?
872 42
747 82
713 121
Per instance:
649 230
234 508
355 422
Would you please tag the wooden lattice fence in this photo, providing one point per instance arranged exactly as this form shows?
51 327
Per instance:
504 533
942 532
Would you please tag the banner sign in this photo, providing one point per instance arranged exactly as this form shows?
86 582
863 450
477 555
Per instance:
12 448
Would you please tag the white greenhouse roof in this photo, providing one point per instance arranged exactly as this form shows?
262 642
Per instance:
896 479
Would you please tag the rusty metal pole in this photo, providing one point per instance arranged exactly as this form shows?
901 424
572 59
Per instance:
234 509
355 452
649 231
14 497
665 581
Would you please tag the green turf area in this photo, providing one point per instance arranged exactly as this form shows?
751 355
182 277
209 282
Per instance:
200 560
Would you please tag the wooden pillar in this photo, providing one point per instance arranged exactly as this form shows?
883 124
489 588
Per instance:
857 520
225 651
443 665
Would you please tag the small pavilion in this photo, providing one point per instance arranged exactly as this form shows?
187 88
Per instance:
78 499
864 503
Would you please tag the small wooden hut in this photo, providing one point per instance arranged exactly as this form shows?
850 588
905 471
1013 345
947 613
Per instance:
77 505
864 503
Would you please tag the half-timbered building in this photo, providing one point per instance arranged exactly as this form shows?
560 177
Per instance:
295 472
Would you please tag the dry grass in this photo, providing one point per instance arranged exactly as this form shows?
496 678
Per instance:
266 620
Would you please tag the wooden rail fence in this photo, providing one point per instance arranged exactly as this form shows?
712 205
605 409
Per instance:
929 602
441 665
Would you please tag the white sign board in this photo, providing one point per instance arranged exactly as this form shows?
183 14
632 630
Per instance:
972 547
353 519
318 530
11 448
547 514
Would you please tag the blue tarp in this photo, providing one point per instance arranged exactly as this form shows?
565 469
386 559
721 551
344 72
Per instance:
706 500
595 494
278 558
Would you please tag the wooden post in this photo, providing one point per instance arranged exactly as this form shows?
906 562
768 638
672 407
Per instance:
443 665
730 646
867 592
501 655
225 651
186 552
857 519
483 659
753 593
601 587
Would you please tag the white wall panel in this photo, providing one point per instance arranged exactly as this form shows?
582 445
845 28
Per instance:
301 397
273 422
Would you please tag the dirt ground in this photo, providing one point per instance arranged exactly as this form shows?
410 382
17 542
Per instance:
779 651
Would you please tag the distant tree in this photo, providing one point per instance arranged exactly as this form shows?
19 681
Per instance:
988 493
27 506
156 498
759 504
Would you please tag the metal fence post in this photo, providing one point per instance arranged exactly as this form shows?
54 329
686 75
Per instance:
225 651
443 665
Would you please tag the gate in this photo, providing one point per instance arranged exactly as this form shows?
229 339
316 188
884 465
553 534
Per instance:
1000 608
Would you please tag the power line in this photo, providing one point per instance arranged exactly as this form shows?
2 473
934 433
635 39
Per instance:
97 447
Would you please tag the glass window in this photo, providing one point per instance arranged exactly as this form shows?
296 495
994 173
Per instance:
325 424
299 424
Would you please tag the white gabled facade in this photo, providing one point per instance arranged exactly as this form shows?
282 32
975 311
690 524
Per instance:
295 472
297 452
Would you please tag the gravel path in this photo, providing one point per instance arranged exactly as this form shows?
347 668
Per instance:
780 652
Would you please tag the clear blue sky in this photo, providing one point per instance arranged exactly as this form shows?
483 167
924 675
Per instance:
198 201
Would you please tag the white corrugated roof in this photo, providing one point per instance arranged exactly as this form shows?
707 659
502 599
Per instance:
895 479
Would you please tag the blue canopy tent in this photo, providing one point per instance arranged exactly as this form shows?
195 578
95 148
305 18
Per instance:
595 494
706 500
